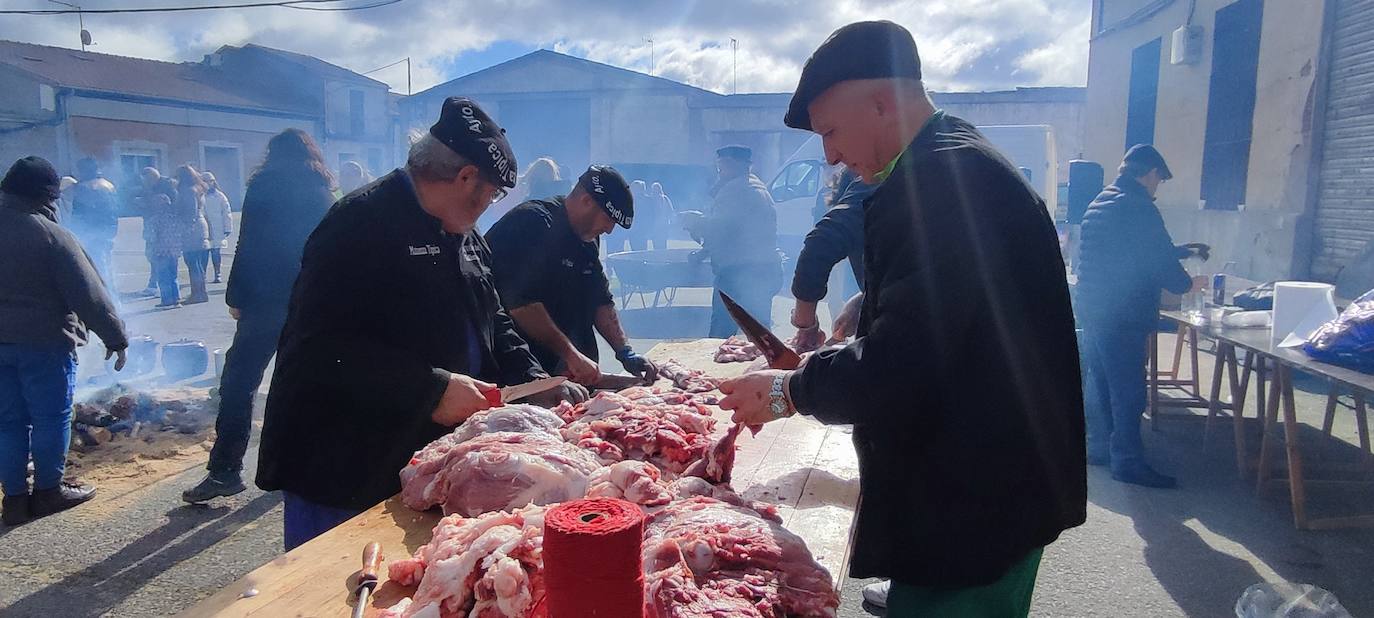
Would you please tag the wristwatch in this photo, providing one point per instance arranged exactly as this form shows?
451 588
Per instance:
777 400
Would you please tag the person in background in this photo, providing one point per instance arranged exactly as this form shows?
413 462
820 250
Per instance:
285 199
546 256
64 203
95 215
740 236
839 235
639 235
962 383
1125 258
194 230
162 242
660 212
351 176
541 179
220 218
50 294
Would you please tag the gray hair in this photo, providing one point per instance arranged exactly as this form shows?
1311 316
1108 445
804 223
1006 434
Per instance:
430 159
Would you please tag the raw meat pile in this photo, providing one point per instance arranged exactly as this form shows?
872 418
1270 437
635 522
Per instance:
689 380
494 471
737 350
669 430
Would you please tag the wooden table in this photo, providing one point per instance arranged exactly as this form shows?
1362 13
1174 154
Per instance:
808 469
1281 363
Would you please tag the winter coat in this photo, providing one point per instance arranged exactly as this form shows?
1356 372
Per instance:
50 292
160 226
190 224
220 218
281 207
741 228
963 383
95 210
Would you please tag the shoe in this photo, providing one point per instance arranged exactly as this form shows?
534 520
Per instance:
148 292
60 498
221 486
17 510
1099 460
216 280
876 593
196 300
168 305
1145 476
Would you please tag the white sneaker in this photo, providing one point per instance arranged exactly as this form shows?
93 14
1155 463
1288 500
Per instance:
876 593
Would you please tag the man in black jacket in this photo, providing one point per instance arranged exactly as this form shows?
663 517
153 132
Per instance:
839 235
962 383
547 258
1125 258
50 293
394 330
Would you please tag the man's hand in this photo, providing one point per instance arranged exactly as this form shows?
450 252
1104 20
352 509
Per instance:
567 391
119 358
235 313
809 338
638 365
581 369
809 333
847 323
463 398
748 397
1202 250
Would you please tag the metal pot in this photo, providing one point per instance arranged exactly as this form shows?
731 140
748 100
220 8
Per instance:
186 358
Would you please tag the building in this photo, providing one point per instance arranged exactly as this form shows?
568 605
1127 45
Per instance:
1280 184
131 113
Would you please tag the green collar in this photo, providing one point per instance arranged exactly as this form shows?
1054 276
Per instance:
892 165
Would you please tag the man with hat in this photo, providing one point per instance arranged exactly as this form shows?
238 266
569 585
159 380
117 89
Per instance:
1125 258
50 294
962 382
546 257
740 236
395 330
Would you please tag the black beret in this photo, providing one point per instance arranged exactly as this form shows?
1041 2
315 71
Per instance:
32 177
861 50
609 189
736 151
471 133
1147 156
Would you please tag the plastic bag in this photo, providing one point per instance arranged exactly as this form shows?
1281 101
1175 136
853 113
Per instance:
1349 339
1285 600
1258 298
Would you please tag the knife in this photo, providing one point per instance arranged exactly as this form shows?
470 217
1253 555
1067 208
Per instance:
499 396
777 353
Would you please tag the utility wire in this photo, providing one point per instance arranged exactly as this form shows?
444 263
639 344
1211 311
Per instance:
290 4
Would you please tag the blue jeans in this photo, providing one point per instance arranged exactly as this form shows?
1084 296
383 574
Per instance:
165 273
36 386
753 287
1114 392
303 520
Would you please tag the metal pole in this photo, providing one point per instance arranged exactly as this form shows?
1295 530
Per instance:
734 65
80 21
408 91
651 55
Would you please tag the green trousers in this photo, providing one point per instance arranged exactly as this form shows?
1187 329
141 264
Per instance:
1008 597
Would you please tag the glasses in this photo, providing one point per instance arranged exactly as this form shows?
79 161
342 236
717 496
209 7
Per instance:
499 195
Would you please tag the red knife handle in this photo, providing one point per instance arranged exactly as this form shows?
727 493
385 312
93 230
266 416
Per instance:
493 396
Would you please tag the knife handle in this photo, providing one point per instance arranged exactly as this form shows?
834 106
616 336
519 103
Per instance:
493 396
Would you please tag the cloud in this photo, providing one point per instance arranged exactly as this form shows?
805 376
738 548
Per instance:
965 44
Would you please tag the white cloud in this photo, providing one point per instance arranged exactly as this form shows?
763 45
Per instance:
965 44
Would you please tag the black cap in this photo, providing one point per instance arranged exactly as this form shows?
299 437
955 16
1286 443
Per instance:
861 50
609 189
736 151
1147 156
471 133
32 177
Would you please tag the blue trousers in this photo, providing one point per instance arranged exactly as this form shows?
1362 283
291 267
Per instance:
1114 392
753 287
36 386
303 520
255 341
165 273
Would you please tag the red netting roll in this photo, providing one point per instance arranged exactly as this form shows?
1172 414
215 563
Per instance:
592 559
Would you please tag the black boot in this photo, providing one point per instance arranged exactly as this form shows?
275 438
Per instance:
60 498
1145 476
215 485
16 510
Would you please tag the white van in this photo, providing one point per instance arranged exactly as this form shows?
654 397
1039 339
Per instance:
804 174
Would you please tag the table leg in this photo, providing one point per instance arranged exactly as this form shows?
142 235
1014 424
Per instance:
1178 351
1270 411
1262 387
1330 417
1192 345
1237 406
1362 418
1214 402
1296 489
1153 372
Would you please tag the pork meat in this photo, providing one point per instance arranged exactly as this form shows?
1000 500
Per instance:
496 471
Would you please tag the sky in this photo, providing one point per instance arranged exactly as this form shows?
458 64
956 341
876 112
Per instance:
964 44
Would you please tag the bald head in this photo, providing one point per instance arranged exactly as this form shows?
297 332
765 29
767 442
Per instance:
865 123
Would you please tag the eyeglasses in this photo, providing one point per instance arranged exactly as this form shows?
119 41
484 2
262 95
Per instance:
499 195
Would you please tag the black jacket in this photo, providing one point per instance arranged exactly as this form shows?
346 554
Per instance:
538 258
386 305
1125 257
838 235
963 383
280 209
50 291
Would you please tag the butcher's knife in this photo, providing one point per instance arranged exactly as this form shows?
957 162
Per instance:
367 578
499 396
777 353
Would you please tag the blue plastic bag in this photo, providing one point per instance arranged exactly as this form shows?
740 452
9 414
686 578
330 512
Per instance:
1347 340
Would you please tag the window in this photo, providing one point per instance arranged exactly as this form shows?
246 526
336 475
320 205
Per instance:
1142 94
355 112
800 179
374 160
1231 105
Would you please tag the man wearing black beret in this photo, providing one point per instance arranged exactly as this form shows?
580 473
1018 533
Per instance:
395 330
546 256
962 383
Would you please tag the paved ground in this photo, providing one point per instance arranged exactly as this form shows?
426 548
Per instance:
140 552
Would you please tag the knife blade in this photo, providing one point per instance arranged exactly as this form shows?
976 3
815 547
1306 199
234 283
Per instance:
777 353
508 394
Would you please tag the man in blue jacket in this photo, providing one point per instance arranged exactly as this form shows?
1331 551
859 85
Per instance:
1125 259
